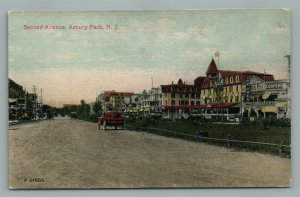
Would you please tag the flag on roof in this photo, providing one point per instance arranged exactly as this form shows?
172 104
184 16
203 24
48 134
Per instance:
217 54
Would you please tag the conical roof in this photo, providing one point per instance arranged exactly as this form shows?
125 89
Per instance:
212 68
179 82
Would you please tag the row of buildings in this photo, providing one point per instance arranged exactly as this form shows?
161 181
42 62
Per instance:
22 105
222 94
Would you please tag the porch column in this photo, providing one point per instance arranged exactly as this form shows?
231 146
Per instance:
227 113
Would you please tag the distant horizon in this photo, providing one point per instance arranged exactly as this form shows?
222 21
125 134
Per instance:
76 55
190 82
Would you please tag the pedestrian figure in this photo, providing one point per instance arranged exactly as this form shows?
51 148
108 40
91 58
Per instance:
49 115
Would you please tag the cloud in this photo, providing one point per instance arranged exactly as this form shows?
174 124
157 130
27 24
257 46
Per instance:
194 56
163 24
253 40
64 57
208 29
193 34
58 34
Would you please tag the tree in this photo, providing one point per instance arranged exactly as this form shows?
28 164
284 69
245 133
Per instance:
45 107
83 110
97 107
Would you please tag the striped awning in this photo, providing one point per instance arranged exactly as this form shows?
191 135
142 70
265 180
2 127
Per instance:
12 100
269 109
281 104
266 95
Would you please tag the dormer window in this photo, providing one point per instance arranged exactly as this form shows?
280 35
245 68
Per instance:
237 78
210 84
226 80
231 79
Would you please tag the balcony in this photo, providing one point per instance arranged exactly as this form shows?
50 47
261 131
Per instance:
260 103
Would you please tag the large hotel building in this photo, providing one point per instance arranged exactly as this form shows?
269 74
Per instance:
222 94
228 93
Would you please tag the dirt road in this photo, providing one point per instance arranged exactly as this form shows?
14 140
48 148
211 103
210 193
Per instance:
75 154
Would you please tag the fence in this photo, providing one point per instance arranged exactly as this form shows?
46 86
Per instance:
279 149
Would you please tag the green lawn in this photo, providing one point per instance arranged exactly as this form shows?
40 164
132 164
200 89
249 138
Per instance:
251 132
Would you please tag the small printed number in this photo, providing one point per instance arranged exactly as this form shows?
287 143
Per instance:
34 180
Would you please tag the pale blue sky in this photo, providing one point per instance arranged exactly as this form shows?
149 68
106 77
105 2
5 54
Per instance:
166 45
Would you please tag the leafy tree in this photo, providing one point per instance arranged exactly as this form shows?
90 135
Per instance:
97 107
46 107
83 110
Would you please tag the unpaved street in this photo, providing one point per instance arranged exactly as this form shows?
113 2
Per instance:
74 154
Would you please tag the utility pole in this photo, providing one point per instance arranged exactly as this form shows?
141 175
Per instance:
35 102
41 96
41 102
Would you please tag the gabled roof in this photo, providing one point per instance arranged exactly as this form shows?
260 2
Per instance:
263 76
227 73
108 94
179 87
212 68
199 81
207 81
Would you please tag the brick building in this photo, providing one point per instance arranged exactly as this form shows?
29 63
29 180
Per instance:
179 99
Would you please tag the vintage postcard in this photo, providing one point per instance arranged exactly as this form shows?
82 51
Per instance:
149 99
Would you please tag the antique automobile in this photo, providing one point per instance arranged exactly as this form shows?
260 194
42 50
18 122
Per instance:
111 118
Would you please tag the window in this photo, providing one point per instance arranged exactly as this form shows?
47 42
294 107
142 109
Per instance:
237 78
210 83
173 102
226 80
231 79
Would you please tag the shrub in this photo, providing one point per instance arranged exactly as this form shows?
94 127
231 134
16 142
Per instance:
264 123
284 122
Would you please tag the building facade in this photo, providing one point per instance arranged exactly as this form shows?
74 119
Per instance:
222 92
22 105
112 100
178 100
152 101
266 98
